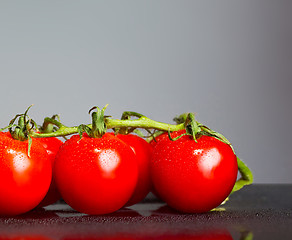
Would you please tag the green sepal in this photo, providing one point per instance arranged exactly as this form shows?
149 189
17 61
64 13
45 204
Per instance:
209 132
246 176
83 129
29 145
8 127
98 122
20 132
176 138
192 126
153 136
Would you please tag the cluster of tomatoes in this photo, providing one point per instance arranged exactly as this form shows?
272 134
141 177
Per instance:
100 175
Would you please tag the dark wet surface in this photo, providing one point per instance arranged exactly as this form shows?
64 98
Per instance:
264 211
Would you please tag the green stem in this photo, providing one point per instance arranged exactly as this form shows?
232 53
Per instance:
142 122
246 176
61 132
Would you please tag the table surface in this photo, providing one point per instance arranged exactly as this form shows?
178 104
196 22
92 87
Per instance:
259 211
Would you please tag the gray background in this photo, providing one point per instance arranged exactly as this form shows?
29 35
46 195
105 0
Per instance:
230 62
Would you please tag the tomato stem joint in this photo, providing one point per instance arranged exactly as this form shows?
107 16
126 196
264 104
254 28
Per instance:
98 127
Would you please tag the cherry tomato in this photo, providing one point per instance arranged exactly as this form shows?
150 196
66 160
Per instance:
52 146
96 175
193 177
143 152
24 180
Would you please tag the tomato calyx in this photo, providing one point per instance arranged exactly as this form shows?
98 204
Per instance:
21 129
196 129
192 127
98 127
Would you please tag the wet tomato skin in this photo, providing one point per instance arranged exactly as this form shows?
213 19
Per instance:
143 152
193 177
24 180
52 146
96 175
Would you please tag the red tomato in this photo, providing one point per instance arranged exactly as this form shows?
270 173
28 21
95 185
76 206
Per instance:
52 146
143 152
24 180
96 175
193 177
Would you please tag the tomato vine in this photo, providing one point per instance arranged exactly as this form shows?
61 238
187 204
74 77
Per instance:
26 128
184 121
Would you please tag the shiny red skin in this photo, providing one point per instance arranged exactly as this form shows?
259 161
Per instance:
96 175
24 180
163 137
52 146
143 151
193 177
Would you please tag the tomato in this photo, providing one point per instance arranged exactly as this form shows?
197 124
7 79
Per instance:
193 177
96 175
52 146
143 152
24 180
